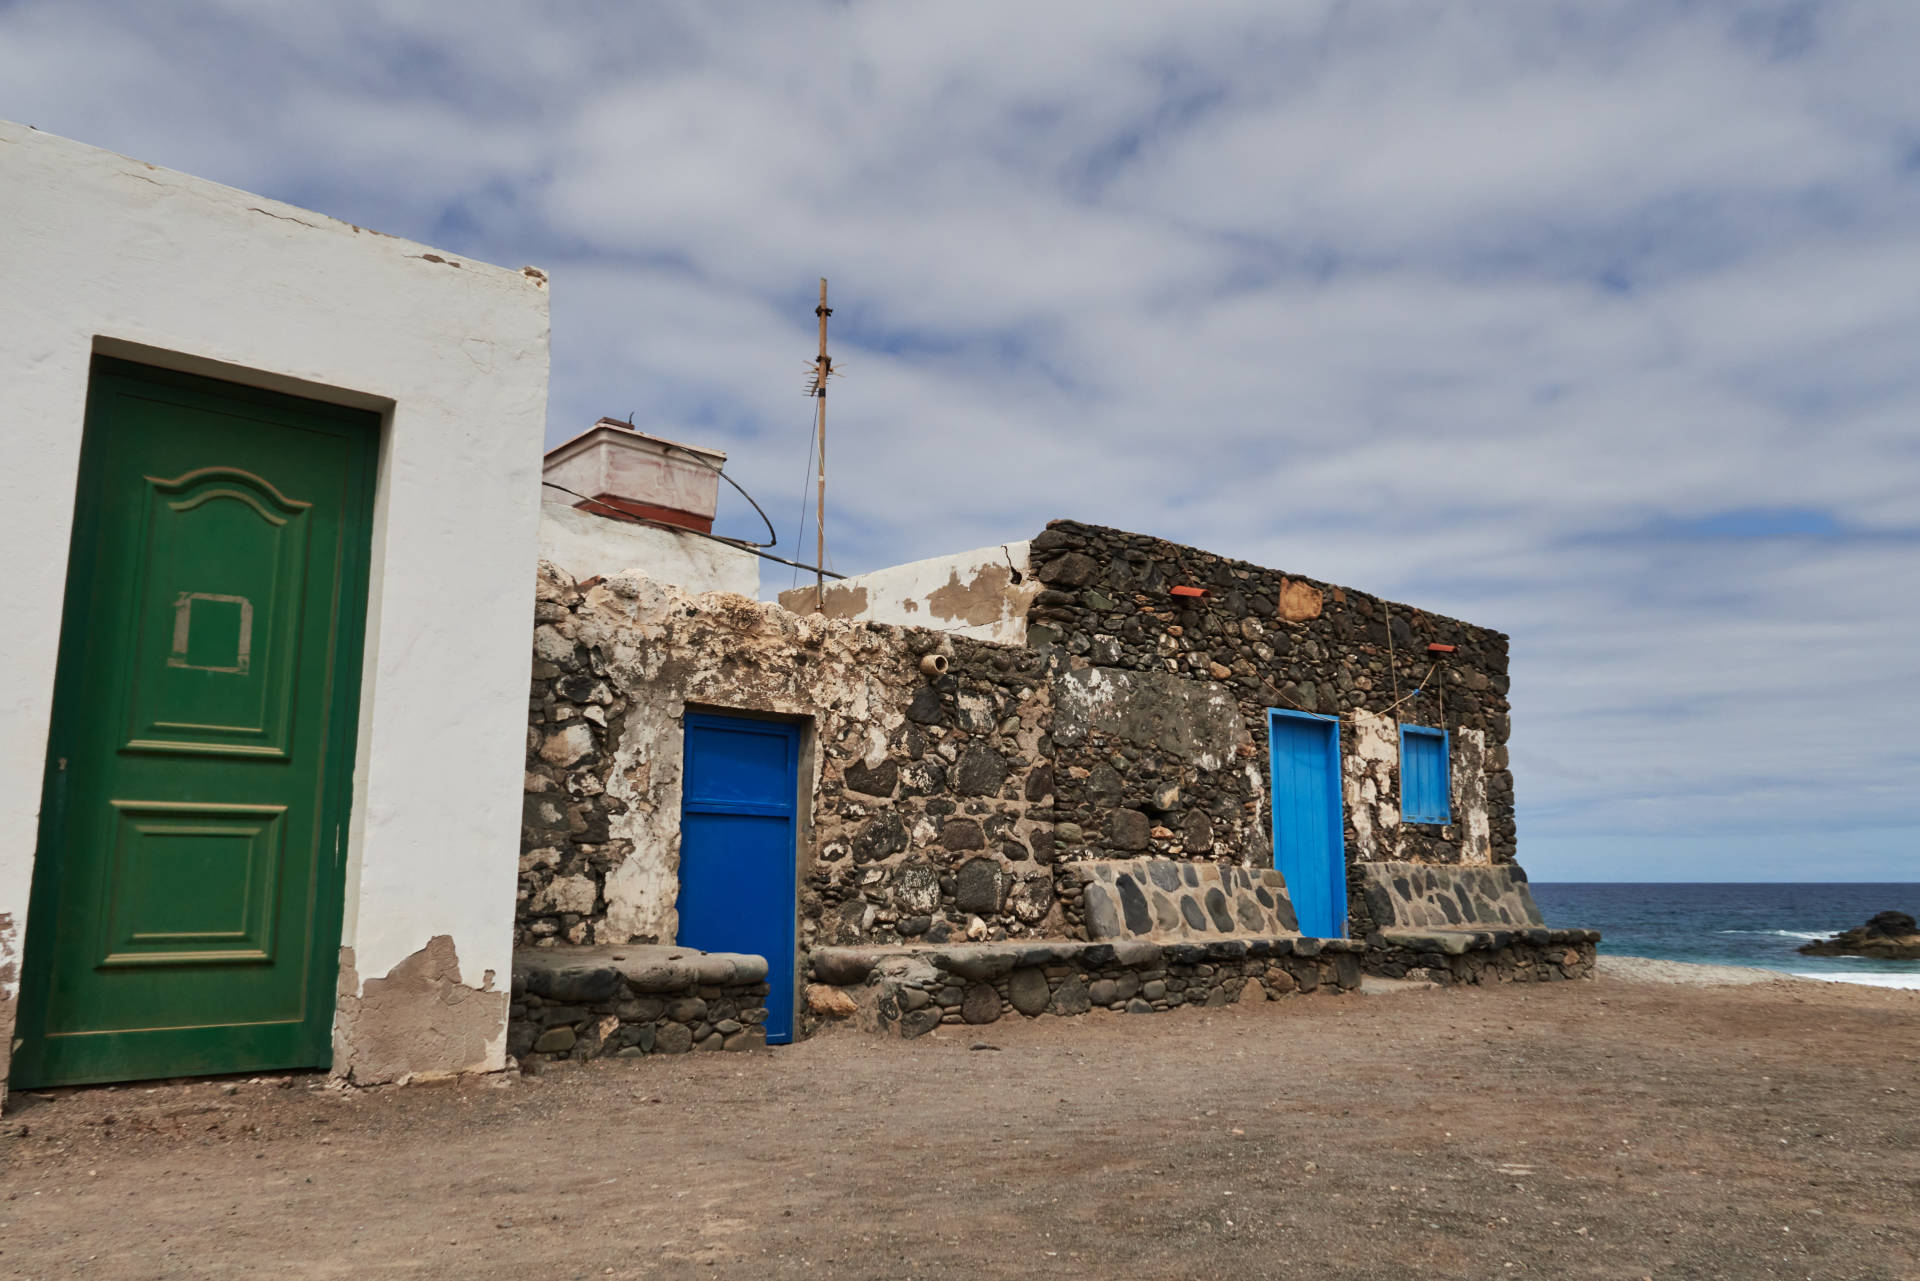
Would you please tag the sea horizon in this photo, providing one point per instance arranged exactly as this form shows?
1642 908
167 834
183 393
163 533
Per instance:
1757 924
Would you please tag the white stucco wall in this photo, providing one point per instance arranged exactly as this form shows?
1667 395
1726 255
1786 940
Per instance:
104 254
968 593
590 546
1370 767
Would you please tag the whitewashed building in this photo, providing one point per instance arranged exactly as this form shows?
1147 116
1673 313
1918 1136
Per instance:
271 518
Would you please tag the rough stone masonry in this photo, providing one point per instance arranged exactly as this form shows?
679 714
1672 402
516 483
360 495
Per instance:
954 802
929 796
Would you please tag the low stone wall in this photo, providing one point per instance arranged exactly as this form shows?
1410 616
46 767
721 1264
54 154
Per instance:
909 993
583 1003
1464 925
1166 898
1422 896
1451 957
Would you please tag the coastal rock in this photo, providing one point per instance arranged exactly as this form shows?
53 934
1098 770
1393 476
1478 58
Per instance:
1889 936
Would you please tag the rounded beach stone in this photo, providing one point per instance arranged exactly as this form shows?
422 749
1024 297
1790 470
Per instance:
555 1040
981 1004
747 1038
1027 990
1072 997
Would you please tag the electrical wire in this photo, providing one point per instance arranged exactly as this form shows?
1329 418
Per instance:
773 538
624 514
800 537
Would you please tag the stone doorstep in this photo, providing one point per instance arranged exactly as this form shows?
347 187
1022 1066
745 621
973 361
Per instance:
1460 942
846 966
601 973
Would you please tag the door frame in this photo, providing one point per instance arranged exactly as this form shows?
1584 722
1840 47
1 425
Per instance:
334 810
799 728
1338 818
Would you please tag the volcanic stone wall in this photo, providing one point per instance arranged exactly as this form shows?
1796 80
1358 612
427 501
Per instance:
926 795
938 804
1176 654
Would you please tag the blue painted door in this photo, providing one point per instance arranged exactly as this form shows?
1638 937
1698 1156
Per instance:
741 793
1309 838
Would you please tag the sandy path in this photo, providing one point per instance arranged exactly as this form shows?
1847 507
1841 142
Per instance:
1611 1128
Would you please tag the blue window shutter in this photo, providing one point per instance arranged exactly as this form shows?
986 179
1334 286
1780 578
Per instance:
1424 775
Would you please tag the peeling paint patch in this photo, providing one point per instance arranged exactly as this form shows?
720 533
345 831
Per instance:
835 602
9 958
9 994
984 594
982 599
420 1020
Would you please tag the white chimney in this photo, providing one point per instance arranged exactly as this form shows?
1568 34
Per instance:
614 471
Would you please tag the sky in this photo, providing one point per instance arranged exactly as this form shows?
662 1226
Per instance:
1594 322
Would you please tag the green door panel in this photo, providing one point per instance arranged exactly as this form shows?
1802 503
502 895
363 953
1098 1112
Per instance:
187 888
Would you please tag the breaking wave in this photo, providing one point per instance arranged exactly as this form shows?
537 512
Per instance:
1910 982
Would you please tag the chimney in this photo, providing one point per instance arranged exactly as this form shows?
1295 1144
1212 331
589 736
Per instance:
624 474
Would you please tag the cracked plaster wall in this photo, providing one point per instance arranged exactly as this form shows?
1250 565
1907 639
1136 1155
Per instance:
1371 768
9 994
982 593
418 1021
586 544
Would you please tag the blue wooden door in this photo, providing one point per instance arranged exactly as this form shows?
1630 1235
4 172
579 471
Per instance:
1309 838
737 824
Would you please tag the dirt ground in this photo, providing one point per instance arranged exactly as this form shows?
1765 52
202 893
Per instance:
1611 1128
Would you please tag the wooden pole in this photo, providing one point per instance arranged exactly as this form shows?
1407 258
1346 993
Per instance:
822 369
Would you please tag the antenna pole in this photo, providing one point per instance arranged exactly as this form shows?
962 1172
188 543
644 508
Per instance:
823 368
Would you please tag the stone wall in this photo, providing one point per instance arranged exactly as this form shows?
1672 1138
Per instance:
1159 898
1418 896
928 794
911 993
1131 725
629 1001
1455 957
1159 746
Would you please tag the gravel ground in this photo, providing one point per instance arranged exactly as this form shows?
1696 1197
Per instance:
1613 1128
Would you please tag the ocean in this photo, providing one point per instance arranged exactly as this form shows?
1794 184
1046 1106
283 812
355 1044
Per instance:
1757 925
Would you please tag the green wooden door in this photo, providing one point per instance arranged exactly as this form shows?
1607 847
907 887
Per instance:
187 889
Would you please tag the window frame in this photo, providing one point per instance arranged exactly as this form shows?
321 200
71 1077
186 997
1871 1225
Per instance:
1428 733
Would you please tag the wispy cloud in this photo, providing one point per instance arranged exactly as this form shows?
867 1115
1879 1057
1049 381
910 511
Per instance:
1592 321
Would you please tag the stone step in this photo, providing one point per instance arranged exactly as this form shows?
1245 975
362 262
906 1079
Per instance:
598 973
840 966
909 991
634 999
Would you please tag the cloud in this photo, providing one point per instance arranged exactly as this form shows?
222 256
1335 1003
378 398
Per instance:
1590 321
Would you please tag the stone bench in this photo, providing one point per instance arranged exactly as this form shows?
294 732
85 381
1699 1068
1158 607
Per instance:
911 991
634 999
1173 899
1465 925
